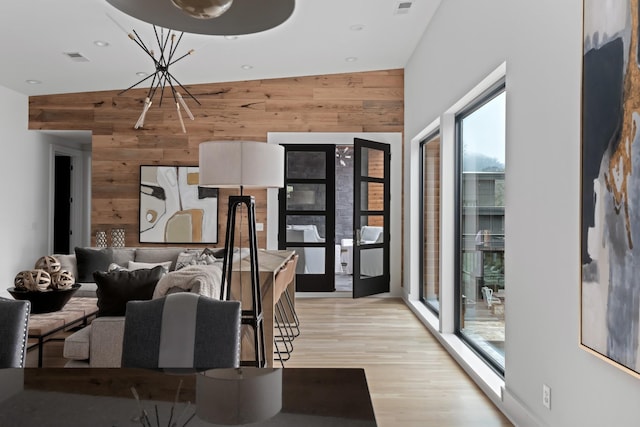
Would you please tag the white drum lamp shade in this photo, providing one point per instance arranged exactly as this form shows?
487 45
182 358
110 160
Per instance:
238 396
248 164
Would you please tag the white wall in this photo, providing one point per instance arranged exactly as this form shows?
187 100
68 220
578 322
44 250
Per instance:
24 173
541 44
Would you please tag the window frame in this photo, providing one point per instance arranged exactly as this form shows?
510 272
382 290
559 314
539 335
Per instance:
485 97
423 143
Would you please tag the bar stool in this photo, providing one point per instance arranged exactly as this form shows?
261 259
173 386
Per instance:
284 324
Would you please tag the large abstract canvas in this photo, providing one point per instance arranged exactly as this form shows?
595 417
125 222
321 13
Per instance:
610 286
174 208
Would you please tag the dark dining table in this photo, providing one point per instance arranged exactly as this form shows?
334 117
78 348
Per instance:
70 397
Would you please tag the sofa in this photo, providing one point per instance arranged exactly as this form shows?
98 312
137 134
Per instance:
311 259
371 260
100 343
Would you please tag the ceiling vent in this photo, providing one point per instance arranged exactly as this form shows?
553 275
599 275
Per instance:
403 7
76 56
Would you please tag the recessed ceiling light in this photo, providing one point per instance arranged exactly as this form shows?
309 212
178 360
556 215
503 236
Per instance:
246 67
351 59
101 43
33 82
231 37
142 73
357 27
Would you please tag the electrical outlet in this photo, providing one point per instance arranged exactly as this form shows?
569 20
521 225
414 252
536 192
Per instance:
546 396
259 226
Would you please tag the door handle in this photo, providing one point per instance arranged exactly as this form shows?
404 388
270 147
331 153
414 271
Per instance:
357 237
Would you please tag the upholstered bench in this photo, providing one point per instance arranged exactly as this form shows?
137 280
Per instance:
99 345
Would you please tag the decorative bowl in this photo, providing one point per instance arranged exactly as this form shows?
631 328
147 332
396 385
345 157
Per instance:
47 301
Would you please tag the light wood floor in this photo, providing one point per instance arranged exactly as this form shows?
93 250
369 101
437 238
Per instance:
413 381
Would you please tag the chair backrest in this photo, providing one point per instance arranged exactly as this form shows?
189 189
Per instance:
286 274
182 330
294 235
14 324
370 234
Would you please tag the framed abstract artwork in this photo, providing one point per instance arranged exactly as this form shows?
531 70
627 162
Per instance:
174 208
610 210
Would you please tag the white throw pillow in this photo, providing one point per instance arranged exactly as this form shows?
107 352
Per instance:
115 267
140 265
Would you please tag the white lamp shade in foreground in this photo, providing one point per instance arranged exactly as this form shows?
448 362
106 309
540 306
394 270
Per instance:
241 163
238 396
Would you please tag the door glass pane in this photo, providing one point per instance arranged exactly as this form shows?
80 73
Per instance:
482 211
306 197
371 262
372 163
306 164
431 223
371 230
312 226
371 196
310 260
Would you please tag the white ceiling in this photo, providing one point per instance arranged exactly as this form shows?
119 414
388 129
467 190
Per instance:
317 39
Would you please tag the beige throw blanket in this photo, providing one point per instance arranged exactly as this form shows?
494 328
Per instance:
200 279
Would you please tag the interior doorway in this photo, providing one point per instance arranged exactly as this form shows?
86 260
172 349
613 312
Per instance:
62 203
338 141
69 203
316 215
334 212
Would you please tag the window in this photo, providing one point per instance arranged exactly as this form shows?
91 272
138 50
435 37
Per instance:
480 285
430 222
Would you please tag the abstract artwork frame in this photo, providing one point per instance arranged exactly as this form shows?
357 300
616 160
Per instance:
610 166
174 208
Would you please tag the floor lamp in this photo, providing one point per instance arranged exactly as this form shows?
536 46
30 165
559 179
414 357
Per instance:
244 164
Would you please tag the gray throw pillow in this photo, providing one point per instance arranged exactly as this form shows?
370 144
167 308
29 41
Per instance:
90 261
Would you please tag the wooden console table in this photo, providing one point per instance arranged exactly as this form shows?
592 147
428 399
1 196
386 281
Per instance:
270 262
43 326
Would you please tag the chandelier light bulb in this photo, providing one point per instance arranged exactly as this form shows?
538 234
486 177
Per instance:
203 9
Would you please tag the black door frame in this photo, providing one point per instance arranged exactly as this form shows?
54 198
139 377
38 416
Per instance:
365 286
312 282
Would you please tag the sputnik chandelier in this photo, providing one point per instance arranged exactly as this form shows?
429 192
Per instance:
210 17
162 77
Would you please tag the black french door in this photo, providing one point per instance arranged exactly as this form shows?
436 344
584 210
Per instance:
307 214
371 207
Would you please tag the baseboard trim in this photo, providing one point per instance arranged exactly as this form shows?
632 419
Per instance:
518 412
491 384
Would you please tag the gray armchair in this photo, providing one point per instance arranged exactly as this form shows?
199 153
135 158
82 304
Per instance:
311 259
14 324
182 330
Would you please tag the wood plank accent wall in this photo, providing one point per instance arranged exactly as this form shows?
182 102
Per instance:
245 110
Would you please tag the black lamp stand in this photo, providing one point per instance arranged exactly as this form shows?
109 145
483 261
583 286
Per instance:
253 317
